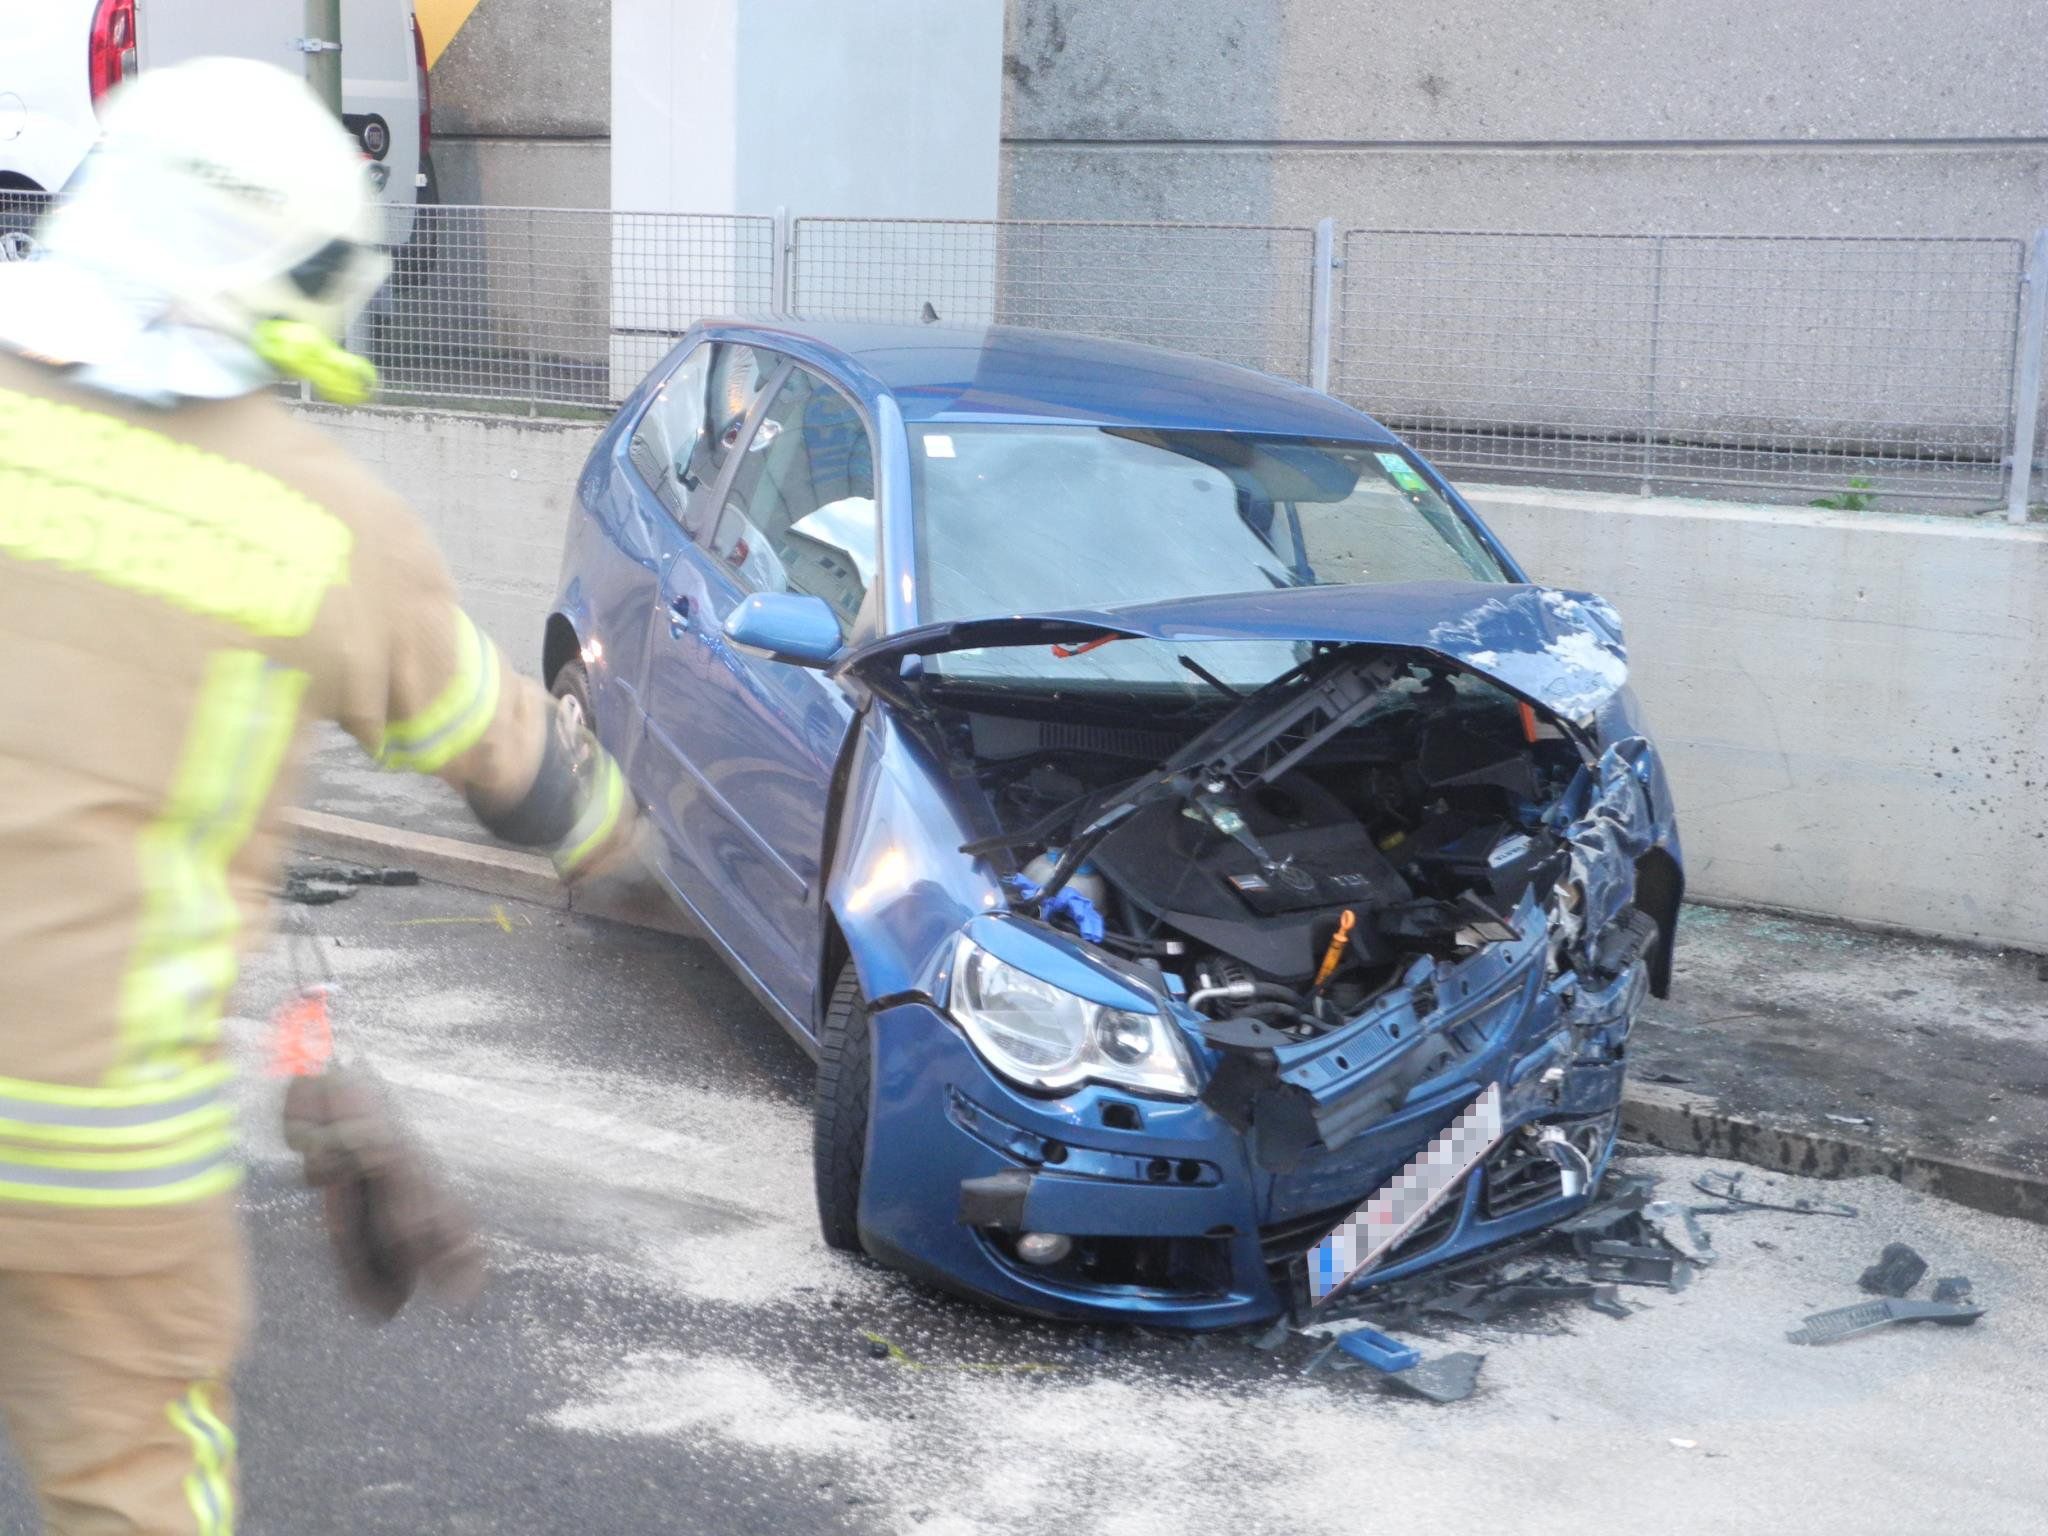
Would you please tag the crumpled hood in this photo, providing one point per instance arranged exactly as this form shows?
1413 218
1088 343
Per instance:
1562 650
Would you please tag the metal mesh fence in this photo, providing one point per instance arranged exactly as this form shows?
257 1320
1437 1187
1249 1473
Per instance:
1858 367
535 306
1235 292
1839 369
556 306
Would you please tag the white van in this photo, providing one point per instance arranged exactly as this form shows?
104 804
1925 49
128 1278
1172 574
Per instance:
59 57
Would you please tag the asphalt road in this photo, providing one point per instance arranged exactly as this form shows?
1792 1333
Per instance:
666 1346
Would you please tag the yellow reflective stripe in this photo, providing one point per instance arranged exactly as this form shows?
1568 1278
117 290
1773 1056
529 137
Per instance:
209 1488
212 1182
188 1084
458 717
91 494
599 818
148 1133
184 959
189 1150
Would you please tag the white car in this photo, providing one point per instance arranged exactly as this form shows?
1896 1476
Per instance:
59 57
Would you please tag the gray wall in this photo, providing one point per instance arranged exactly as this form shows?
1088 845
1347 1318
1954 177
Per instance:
1801 116
523 106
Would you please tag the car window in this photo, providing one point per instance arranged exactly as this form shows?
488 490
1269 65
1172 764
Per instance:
800 516
692 424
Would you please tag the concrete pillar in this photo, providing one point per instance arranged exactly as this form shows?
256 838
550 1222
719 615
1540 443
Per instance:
888 109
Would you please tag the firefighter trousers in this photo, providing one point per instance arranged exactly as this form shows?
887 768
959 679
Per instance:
114 1386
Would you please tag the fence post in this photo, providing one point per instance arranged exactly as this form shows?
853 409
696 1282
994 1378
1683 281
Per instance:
1656 339
2026 406
780 264
1320 291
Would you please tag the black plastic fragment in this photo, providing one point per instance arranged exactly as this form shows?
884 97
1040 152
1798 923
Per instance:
1868 1316
1607 1299
1952 1288
310 889
1446 1379
1897 1270
1727 1188
996 1200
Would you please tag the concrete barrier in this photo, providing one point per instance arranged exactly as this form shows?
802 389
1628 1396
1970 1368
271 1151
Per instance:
1855 706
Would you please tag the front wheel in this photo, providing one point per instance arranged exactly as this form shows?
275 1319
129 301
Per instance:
572 685
839 1122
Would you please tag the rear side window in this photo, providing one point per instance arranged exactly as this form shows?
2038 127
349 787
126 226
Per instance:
692 425
800 516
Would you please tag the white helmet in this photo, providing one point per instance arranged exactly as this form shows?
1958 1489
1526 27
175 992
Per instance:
226 188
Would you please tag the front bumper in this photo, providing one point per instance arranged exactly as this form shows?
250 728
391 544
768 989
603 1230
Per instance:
1184 1226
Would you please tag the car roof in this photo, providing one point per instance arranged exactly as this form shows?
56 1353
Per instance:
938 373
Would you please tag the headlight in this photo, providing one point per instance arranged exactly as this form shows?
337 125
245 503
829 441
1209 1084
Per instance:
1042 1036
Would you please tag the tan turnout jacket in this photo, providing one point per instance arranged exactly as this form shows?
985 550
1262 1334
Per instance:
179 590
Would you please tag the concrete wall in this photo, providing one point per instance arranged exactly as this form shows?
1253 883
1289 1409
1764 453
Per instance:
1803 117
495 491
522 106
1855 708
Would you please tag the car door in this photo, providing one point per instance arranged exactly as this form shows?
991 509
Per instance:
753 742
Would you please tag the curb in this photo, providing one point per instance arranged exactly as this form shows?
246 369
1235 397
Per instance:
1664 1117
482 867
1693 1123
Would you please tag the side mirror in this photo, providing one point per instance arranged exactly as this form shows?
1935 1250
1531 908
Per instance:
785 626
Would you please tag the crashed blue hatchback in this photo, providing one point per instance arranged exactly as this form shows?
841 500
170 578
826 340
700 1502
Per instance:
1211 878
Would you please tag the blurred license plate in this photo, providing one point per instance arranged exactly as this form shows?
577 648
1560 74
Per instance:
1369 1233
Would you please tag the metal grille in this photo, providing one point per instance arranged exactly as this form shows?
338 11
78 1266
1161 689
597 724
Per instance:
555 306
1855 367
1239 293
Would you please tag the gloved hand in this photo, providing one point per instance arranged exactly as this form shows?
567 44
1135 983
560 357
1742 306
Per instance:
391 1222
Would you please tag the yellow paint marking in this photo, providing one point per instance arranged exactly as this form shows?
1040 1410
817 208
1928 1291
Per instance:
439 21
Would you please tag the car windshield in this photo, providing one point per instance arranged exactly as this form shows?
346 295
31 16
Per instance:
1037 519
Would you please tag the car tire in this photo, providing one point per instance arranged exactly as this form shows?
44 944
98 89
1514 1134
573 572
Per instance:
839 1120
573 683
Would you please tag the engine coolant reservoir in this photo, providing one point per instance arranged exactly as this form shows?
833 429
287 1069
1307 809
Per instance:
1087 880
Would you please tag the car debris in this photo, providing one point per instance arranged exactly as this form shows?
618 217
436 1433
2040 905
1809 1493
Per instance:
1727 1188
1679 1227
1446 1379
1952 1288
317 885
1897 1270
1868 1316
1382 1352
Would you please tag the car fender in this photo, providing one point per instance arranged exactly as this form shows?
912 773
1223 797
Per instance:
898 886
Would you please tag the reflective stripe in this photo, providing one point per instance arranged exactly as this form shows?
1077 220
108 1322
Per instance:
457 719
190 1153
126 1191
210 1487
64 1104
135 1134
184 959
597 820
88 493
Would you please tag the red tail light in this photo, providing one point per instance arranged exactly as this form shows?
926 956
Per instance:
419 58
110 58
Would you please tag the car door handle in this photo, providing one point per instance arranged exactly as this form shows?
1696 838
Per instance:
678 617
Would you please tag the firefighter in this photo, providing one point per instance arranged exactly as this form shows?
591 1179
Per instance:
187 573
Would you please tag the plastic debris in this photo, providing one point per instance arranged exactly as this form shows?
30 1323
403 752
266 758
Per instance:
1446 1379
1952 1288
1378 1350
1275 1336
1897 1270
1607 1299
1680 1229
1868 1316
1727 1188
310 890
316 885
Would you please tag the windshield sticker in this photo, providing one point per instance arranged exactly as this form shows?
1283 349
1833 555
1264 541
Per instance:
938 445
1403 473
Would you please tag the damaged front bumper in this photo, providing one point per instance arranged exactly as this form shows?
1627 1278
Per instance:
1198 1214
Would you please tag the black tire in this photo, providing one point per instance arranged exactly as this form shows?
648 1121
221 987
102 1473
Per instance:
572 682
839 1119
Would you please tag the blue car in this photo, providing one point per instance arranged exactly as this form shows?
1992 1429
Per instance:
1210 877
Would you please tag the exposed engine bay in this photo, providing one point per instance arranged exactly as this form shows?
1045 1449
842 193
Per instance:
1288 862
